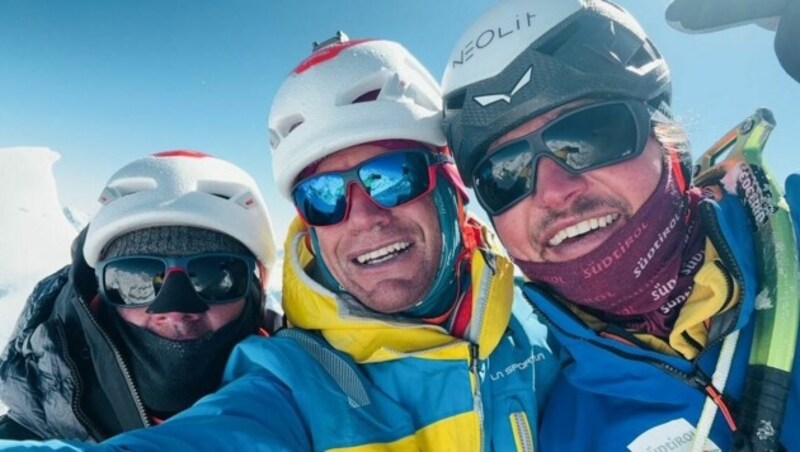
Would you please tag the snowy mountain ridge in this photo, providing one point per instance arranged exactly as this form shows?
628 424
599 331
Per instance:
36 233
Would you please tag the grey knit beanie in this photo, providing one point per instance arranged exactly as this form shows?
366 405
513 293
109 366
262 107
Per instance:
173 240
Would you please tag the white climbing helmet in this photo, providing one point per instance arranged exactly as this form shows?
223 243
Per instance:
182 188
348 93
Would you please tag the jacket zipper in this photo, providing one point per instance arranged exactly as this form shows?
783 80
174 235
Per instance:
482 298
476 395
523 431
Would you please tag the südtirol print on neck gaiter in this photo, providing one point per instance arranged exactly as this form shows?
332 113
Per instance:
641 276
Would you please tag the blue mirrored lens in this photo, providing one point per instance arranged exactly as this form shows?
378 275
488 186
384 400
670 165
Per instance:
396 178
321 199
390 180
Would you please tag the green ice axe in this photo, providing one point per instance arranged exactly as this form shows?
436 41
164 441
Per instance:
742 172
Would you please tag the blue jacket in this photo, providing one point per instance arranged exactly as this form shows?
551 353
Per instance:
347 378
617 396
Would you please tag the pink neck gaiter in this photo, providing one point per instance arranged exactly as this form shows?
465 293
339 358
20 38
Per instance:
641 276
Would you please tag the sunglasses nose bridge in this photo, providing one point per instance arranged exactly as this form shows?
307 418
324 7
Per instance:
177 295
554 181
349 187
552 157
175 269
358 192
362 210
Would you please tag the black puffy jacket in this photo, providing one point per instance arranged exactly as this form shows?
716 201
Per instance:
50 367
61 375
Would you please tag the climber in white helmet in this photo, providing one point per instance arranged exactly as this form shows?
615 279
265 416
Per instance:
167 277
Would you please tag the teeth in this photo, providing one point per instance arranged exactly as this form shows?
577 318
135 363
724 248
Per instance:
582 228
382 254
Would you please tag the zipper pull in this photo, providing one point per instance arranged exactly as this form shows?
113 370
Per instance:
473 355
476 395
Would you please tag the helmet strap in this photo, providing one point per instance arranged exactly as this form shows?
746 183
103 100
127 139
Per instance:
323 274
444 289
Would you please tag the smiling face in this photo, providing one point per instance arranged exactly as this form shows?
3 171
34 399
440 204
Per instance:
569 215
386 258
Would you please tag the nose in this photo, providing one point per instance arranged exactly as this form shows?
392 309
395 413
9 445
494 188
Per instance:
555 186
365 214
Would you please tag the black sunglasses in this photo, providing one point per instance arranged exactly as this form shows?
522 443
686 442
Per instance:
587 138
136 281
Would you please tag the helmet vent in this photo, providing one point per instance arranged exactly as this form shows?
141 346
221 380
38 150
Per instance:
220 189
369 96
283 128
456 100
368 89
556 42
645 55
294 126
131 185
640 58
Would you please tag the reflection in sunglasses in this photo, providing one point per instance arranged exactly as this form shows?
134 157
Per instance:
584 139
390 180
137 280
138 287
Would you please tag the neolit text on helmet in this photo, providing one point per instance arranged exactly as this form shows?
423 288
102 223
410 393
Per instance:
490 35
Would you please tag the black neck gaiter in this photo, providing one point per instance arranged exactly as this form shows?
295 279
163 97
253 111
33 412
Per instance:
171 375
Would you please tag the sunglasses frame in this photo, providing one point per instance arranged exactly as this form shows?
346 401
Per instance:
639 111
172 264
350 177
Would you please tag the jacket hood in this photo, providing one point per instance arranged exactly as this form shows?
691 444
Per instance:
369 336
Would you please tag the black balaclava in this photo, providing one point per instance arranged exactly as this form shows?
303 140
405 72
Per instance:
171 375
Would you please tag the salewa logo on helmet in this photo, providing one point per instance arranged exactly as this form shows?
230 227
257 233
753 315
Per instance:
489 99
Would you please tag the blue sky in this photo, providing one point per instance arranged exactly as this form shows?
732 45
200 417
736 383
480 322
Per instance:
104 82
